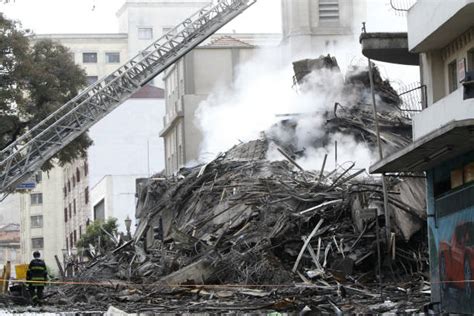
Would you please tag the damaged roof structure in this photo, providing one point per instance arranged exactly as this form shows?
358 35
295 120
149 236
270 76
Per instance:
243 232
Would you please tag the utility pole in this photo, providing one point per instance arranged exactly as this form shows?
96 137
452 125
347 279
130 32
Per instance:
379 145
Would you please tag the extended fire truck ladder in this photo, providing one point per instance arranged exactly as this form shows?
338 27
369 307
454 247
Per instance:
28 153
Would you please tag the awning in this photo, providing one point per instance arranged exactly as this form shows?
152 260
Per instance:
450 141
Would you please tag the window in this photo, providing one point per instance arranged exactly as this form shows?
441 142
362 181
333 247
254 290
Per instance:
470 60
86 168
328 11
145 33
167 30
469 172
37 243
78 175
456 178
89 58
70 211
86 195
65 214
74 205
67 243
37 221
452 76
112 58
70 240
65 191
99 210
68 186
36 198
38 177
73 181
75 236
80 231
91 79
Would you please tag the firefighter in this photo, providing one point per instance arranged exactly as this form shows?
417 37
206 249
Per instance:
39 275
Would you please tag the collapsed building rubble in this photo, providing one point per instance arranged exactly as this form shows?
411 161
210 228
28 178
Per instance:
245 233
272 236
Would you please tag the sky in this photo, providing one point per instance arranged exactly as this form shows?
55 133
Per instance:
98 16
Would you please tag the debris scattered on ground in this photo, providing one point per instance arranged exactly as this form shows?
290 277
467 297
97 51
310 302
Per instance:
245 233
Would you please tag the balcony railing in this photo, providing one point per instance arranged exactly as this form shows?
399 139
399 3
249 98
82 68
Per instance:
413 99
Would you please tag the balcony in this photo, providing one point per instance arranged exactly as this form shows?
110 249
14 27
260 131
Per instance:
449 109
447 20
388 47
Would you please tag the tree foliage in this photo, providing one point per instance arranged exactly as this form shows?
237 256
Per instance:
95 232
35 80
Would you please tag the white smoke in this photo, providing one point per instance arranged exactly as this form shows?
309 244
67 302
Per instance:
262 92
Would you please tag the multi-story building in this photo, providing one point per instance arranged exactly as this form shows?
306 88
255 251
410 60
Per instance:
76 203
41 221
442 33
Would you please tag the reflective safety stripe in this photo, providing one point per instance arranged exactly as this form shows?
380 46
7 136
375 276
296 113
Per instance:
38 268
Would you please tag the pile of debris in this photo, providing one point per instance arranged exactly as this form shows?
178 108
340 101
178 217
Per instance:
242 232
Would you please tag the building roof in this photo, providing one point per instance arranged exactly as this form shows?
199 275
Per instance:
149 92
447 142
64 36
9 227
224 41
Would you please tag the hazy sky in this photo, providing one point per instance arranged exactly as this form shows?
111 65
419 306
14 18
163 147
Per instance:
98 16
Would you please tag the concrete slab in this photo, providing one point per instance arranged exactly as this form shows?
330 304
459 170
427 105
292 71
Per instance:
388 47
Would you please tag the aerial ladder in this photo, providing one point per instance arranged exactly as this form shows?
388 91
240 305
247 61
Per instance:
28 153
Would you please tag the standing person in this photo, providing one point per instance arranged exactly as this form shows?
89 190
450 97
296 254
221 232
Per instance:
36 272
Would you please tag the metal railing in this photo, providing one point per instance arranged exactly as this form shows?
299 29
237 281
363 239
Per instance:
413 99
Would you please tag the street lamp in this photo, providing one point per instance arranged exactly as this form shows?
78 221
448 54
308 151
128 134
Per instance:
128 224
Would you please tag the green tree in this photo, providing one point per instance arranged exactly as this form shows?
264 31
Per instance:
35 80
95 232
